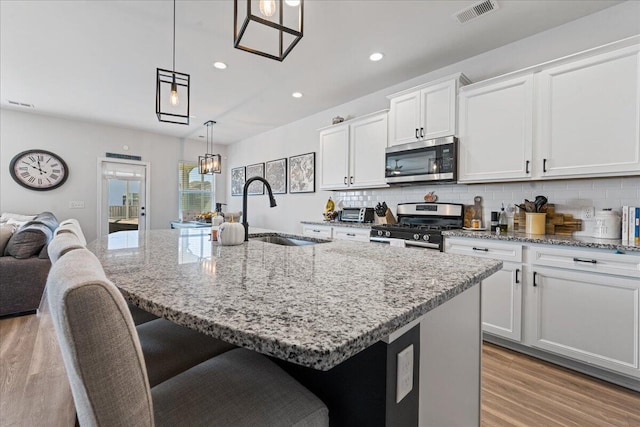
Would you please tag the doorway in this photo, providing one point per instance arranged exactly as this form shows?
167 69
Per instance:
123 190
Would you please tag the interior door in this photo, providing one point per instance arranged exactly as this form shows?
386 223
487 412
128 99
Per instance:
123 197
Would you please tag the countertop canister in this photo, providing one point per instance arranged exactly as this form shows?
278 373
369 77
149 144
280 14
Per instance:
608 225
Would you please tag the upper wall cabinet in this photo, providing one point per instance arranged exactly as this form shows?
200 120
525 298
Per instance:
425 112
496 123
572 118
589 116
352 153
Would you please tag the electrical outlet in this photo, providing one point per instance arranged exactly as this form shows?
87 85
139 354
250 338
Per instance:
405 373
587 212
76 204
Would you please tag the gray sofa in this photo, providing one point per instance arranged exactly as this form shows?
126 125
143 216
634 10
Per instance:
24 264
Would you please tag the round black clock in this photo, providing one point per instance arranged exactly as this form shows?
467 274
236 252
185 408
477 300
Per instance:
39 170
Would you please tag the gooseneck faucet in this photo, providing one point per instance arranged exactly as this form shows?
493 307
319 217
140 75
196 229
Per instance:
272 202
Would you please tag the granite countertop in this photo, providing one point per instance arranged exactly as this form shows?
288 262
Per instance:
547 239
315 305
340 224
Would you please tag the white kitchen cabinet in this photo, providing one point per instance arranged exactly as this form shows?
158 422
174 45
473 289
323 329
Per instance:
425 112
352 154
352 233
588 317
496 131
501 292
589 114
575 117
318 231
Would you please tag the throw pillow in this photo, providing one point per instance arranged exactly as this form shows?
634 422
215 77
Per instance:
6 231
48 219
28 240
6 216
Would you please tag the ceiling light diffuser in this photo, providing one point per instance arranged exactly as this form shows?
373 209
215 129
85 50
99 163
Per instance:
297 94
377 56
220 65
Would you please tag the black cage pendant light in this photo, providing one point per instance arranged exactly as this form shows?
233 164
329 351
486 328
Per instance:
172 90
269 28
210 163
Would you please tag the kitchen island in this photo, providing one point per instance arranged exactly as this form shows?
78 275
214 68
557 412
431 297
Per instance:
336 312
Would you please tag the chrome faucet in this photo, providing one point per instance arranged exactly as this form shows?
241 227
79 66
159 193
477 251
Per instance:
272 202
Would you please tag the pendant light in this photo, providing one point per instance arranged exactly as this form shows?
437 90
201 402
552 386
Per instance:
172 90
210 163
266 29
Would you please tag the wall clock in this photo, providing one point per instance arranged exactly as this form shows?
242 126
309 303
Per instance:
39 170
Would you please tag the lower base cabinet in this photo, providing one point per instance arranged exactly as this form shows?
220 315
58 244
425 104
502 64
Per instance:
357 234
578 303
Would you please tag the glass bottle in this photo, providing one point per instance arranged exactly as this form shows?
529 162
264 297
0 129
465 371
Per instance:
503 220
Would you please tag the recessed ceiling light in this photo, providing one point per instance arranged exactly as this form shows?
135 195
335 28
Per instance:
376 56
220 65
297 94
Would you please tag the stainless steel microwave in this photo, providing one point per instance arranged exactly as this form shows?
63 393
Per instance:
434 160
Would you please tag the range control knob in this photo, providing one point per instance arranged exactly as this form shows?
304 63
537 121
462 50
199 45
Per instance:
387 233
380 232
425 237
416 237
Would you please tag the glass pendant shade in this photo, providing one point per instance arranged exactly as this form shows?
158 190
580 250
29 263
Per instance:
210 163
269 28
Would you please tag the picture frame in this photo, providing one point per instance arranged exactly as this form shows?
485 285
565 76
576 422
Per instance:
276 174
238 177
255 187
302 173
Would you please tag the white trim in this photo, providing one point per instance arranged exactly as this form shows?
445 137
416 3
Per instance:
147 180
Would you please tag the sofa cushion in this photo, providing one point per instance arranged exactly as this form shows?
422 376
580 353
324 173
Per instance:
6 231
6 216
28 240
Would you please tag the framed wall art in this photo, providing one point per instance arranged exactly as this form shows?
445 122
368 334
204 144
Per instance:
237 180
276 174
255 187
302 173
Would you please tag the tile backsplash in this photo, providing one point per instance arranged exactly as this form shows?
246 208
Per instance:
568 195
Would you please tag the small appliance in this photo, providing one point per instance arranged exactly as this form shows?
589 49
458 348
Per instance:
357 214
433 161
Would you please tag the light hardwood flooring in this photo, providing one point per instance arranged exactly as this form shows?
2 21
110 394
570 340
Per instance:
517 390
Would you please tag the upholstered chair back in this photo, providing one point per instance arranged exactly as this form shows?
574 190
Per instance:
99 344
61 244
72 226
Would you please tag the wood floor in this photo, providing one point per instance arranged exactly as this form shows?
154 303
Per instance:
517 390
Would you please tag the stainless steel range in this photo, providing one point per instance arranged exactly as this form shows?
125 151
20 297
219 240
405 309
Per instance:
421 224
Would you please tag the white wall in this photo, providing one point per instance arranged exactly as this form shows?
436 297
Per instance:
301 137
80 144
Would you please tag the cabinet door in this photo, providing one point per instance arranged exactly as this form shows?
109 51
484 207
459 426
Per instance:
404 118
502 302
496 131
318 231
368 139
334 158
589 317
352 233
438 110
590 116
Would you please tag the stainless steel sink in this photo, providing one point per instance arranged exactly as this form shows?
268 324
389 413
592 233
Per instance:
288 241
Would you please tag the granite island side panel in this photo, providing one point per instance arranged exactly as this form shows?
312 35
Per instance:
312 305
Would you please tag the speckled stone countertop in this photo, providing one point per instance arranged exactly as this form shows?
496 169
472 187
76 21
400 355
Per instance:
340 224
547 239
315 305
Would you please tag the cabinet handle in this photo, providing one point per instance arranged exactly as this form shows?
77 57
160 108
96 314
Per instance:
481 249
350 234
517 278
590 261
527 167
351 180
544 165
534 279
345 180
316 231
417 136
422 132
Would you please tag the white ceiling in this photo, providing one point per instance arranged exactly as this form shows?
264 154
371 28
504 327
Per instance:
96 60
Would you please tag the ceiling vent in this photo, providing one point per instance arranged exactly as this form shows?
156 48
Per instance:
20 104
475 10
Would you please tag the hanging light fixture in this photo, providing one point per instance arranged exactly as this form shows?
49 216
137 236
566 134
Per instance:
172 89
266 30
210 163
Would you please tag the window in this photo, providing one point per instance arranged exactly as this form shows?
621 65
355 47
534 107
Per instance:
196 192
